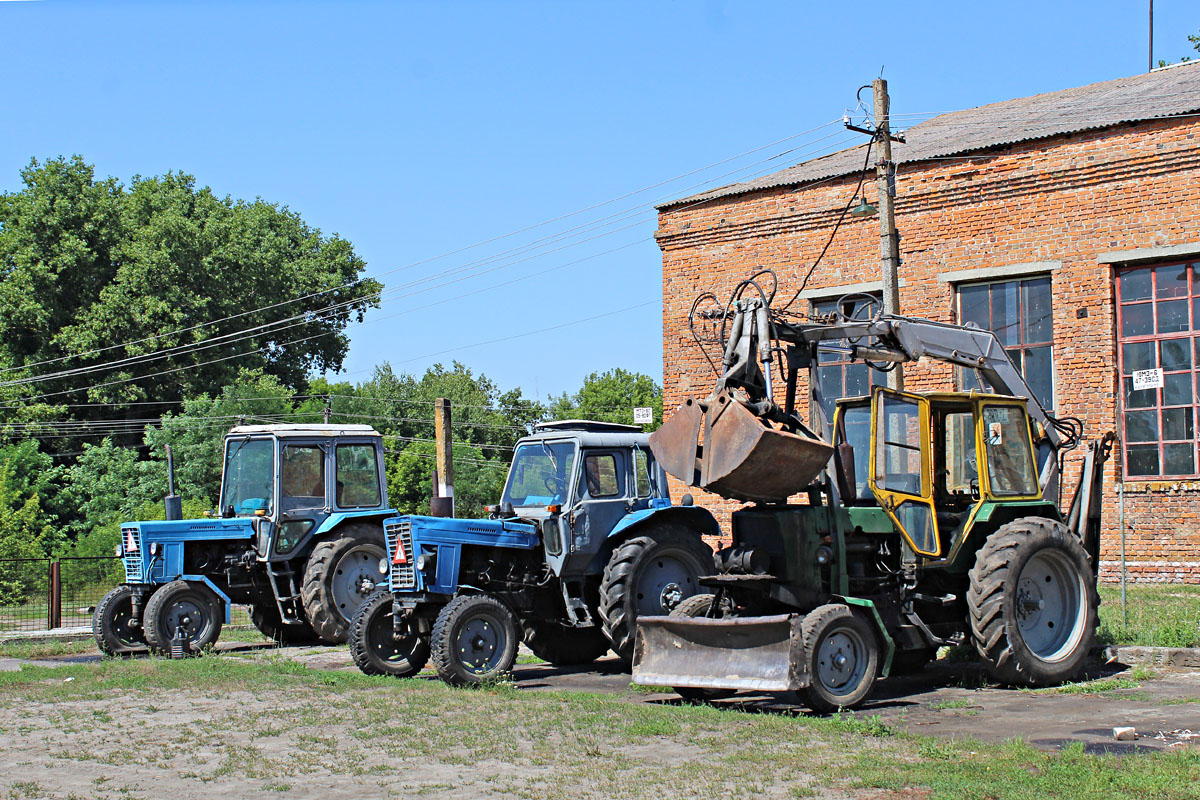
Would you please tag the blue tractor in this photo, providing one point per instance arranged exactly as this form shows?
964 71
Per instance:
584 540
298 537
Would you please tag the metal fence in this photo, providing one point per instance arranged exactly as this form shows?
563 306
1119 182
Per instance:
46 593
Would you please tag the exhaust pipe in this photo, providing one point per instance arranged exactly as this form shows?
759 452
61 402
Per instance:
172 503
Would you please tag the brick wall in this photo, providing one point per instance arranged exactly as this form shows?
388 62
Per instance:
1066 199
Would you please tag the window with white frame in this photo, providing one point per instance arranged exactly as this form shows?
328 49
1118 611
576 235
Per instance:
1020 313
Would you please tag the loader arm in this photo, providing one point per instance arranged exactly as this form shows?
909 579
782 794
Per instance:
756 335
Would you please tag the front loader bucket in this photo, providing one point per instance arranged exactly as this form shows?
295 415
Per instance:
763 654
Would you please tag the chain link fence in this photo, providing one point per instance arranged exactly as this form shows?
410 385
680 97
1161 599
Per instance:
38 594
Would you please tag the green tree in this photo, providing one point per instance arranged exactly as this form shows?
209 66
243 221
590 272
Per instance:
25 533
611 397
88 263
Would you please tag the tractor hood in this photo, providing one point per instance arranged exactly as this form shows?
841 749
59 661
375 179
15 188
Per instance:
153 551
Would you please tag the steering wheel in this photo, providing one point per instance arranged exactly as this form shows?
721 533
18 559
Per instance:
553 485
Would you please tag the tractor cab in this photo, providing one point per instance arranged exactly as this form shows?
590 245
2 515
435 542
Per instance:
577 480
296 478
934 461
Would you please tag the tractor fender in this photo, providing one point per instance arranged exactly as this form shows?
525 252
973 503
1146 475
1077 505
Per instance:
225 601
338 517
693 517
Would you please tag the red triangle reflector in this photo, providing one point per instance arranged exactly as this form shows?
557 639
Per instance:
400 557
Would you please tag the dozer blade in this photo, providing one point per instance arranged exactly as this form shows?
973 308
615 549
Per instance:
763 654
746 459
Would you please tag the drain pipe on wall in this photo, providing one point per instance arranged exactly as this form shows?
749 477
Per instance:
1121 519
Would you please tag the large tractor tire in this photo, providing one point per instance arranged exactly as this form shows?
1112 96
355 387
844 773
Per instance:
566 647
187 605
474 641
843 658
375 648
342 572
1033 603
649 575
114 627
701 605
265 616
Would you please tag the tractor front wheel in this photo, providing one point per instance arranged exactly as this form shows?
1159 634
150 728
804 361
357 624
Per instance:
376 648
1033 603
187 606
474 640
843 658
649 575
342 572
117 632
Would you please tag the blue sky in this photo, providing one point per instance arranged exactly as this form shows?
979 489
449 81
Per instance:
418 129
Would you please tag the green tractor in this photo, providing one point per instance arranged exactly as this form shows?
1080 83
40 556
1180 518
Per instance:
930 519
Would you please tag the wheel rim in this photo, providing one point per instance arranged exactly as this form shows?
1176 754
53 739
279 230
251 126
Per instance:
189 614
1050 600
665 581
480 643
384 644
841 661
122 615
355 578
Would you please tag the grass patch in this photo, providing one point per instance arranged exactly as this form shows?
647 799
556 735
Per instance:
946 705
43 648
1158 615
1100 686
276 724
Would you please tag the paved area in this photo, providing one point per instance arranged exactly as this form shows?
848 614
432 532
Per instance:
943 700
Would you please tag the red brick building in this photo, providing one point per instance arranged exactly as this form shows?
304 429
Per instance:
1067 222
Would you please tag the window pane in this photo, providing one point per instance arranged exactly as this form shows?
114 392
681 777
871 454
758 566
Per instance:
1171 281
1179 459
1017 359
1196 312
357 476
1143 459
1137 320
600 473
829 379
1173 316
917 520
1175 354
1144 398
1039 326
898 450
968 379
1137 355
1177 390
973 302
1141 426
641 473
301 477
1006 323
1135 285
1039 375
1008 451
1177 424
857 380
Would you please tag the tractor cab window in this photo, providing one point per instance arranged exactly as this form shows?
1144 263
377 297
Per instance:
600 477
357 476
899 446
301 477
956 472
249 476
1010 467
540 474
854 429
641 473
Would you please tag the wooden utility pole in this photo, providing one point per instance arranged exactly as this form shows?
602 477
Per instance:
445 452
889 245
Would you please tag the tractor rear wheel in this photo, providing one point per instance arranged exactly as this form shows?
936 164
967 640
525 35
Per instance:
265 616
474 641
1033 603
341 573
701 605
189 606
649 575
375 647
113 624
843 658
566 647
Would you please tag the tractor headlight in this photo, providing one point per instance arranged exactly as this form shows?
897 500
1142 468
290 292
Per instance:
425 561
824 555
383 566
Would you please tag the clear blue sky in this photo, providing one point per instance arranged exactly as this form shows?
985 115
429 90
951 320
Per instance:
415 129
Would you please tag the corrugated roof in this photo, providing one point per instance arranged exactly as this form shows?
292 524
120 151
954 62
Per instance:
1161 93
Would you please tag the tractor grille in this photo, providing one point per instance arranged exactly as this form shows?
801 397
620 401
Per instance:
131 546
403 576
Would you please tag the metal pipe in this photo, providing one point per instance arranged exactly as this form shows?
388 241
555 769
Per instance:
1121 516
